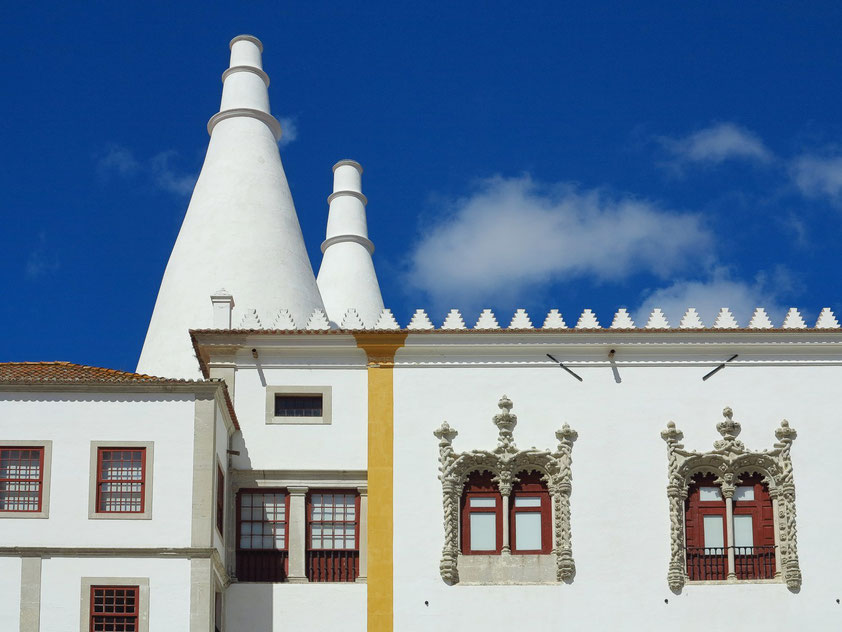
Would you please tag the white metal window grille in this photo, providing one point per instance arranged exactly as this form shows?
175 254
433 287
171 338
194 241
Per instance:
21 479
120 480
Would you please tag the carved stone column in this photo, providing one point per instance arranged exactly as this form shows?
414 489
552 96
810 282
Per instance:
565 566
450 550
676 575
297 536
506 550
504 483
776 513
728 493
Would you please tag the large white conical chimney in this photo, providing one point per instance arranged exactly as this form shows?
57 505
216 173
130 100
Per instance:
240 232
346 276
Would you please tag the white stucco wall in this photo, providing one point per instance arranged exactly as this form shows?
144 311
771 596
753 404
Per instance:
340 445
9 593
72 421
620 523
169 590
264 607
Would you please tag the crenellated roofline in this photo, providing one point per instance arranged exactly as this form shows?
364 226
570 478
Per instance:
283 320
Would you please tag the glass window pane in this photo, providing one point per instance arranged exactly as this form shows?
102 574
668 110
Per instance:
528 531
743 532
527 502
710 493
744 493
483 532
483 502
714 532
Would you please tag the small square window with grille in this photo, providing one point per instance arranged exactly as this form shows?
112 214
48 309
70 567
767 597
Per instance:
121 478
21 479
298 405
114 608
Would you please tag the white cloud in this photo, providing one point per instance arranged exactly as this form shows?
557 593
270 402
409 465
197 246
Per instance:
720 290
166 178
41 260
817 176
513 235
289 130
117 159
158 170
718 143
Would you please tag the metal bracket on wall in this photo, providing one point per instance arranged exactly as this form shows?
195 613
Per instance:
565 368
720 367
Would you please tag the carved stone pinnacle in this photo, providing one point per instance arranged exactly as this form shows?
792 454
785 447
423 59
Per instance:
445 434
672 435
566 434
785 434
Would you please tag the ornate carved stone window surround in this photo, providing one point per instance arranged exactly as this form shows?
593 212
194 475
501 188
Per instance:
729 462
505 462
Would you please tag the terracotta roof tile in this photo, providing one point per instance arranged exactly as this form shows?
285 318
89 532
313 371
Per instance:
69 372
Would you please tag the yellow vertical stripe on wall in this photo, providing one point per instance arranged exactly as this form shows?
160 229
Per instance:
380 350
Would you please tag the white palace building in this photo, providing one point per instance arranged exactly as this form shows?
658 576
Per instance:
302 461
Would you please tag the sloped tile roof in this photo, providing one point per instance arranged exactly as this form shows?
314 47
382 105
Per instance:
70 372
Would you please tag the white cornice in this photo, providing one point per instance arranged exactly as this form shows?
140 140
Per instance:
247 38
362 198
364 242
271 122
257 71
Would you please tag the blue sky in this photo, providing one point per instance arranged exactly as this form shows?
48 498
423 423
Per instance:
543 156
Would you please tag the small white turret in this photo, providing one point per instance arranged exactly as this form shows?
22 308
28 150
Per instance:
240 232
347 279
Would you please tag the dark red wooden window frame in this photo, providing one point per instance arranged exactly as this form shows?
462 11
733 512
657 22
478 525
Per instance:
530 485
481 485
258 564
220 501
107 620
100 481
328 564
25 481
702 565
760 562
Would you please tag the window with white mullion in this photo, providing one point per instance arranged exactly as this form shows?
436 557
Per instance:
263 521
21 478
333 521
120 480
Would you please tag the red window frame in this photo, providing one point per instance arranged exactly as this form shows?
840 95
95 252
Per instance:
115 609
703 564
531 485
481 485
332 564
13 489
759 562
261 564
220 501
107 499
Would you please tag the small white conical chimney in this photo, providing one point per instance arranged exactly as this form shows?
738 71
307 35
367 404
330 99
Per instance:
240 232
346 277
